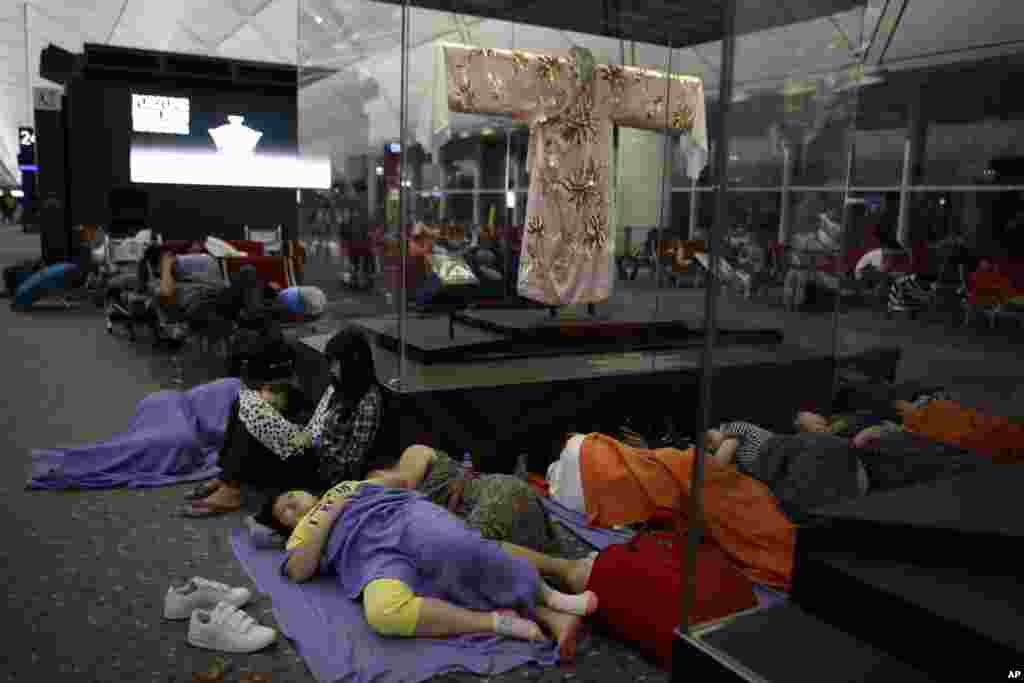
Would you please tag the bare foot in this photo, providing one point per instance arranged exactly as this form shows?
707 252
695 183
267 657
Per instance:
579 574
565 628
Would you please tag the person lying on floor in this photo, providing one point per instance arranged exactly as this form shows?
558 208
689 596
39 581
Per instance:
265 450
934 416
816 467
615 484
500 506
422 572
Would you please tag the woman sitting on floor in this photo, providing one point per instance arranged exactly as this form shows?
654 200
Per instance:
501 507
264 449
421 572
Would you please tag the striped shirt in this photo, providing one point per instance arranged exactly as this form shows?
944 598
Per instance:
751 439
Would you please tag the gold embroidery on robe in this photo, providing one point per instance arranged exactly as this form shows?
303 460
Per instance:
682 119
497 86
583 186
595 234
578 126
564 258
549 68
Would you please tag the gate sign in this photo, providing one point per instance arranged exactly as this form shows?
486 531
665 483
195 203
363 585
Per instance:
26 146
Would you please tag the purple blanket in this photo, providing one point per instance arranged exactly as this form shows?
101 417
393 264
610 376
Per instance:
173 437
398 534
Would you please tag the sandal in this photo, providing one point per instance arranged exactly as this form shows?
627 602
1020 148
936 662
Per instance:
203 490
198 510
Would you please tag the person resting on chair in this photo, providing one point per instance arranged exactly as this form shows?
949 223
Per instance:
393 548
500 506
264 449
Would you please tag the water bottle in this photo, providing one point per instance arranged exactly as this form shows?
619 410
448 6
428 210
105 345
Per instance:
522 468
467 464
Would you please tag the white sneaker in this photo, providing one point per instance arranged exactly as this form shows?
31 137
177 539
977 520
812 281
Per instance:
201 593
228 629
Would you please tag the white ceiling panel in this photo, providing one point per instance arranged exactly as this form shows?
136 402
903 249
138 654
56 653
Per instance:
364 37
933 26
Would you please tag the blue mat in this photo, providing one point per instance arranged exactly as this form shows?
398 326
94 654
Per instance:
330 632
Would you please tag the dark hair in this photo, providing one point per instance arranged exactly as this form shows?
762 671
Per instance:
266 516
262 358
351 348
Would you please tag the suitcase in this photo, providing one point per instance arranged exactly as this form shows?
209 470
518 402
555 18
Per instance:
639 587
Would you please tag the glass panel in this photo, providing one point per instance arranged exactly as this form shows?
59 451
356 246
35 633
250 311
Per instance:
974 152
783 247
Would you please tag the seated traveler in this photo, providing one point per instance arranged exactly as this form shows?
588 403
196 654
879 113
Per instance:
266 450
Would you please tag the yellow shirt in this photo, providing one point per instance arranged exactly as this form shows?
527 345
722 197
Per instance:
304 529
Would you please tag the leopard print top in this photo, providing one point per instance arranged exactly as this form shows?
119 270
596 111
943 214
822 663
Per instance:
285 439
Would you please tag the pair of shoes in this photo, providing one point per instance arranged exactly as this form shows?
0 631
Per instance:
226 628
200 593
216 622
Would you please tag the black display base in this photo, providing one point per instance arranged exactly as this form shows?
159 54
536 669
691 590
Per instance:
473 335
783 644
498 411
932 559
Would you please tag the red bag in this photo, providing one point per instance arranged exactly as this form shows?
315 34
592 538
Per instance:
639 587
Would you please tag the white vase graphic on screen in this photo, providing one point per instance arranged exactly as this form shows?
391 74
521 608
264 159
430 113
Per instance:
234 138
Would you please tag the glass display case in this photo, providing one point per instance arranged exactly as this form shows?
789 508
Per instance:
578 232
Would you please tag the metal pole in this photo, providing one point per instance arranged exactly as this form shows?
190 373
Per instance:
666 176
902 222
843 240
694 208
696 518
787 181
29 105
402 237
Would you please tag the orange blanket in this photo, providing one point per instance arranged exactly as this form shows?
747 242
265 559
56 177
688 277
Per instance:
992 436
625 485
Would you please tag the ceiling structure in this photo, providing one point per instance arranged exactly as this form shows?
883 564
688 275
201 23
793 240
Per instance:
353 101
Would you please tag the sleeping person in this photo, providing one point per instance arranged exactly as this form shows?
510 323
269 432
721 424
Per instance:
264 449
500 506
615 484
422 572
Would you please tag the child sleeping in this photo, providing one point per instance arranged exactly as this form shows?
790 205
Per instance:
421 572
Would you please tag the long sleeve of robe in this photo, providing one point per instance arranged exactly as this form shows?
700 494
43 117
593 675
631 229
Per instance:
567 253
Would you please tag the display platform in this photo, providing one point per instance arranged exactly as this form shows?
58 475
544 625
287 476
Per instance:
926 559
497 409
488 334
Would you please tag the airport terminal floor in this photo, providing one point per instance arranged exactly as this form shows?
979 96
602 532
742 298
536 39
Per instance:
86 572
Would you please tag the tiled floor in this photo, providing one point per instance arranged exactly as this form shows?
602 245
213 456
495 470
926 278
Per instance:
85 572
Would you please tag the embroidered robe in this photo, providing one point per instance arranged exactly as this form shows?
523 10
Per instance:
567 254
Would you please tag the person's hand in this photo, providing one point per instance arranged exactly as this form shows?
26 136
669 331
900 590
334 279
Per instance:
810 422
713 439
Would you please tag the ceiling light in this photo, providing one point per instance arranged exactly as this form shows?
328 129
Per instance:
464 135
793 88
487 131
740 96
